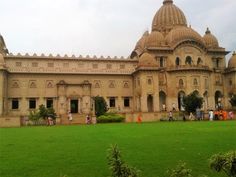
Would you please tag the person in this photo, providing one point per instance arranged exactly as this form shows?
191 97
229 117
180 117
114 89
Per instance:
70 118
139 119
211 115
231 115
191 117
171 116
198 114
88 121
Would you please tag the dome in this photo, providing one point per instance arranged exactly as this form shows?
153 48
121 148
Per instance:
155 39
210 40
180 34
168 17
232 61
141 43
147 60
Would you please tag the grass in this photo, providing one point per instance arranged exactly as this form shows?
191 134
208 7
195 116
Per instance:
81 151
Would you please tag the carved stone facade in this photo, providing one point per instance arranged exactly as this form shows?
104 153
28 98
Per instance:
170 61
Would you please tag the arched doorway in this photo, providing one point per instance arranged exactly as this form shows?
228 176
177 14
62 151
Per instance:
150 103
162 101
181 95
218 100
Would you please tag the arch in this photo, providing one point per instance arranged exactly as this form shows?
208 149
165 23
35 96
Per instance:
196 92
181 83
177 61
188 60
218 99
150 103
181 96
199 61
162 101
161 62
195 82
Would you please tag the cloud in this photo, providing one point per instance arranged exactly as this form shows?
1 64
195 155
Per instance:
102 27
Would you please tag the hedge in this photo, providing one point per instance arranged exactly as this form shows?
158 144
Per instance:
110 118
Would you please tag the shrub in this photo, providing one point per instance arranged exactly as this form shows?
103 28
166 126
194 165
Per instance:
110 118
118 166
224 162
180 171
100 106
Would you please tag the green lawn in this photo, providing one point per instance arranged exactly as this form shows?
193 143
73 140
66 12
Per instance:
80 151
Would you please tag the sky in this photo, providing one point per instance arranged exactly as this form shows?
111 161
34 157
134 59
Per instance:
102 27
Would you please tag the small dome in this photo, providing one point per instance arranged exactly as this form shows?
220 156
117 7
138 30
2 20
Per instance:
168 17
180 34
155 39
210 40
147 60
232 61
141 43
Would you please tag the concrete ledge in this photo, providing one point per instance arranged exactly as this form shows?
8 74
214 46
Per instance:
10 122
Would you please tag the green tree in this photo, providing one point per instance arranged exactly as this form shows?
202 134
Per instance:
43 112
192 102
224 162
118 166
100 106
233 100
34 116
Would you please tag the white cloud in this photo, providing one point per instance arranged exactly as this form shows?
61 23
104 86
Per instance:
102 27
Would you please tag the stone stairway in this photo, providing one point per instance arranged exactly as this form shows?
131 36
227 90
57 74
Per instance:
77 119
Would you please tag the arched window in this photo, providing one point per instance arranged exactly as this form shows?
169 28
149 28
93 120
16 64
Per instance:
177 61
217 63
195 82
199 61
149 82
181 83
188 60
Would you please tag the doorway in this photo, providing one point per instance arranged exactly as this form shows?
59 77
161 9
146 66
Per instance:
74 106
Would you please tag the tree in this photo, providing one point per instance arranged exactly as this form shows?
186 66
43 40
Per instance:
233 100
100 106
224 162
118 167
43 112
34 116
192 101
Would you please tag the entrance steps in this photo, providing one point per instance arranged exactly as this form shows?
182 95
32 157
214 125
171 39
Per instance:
77 119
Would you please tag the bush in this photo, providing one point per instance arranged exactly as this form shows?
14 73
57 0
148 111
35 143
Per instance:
180 171
224 162
110 118
118 167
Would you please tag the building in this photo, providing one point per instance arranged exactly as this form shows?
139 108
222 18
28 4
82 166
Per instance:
168 62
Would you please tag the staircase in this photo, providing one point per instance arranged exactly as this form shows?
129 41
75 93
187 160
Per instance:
77 119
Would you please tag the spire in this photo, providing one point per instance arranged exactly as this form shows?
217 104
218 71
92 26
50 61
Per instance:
168 2
208 31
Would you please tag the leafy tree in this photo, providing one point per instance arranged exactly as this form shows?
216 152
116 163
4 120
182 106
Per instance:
117 166
192 102
43 112
180 171
34 116
233 100
100 106
224 162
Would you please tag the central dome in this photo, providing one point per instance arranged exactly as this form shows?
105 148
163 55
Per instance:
168 17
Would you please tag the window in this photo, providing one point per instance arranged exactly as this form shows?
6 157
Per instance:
126 85
188 60
181 83
112 102
217 63
95 66
34 64
15 104
149 82
195 82
230 82
32 103
177 61
18 64
199 61
50 65
49 103
126 102
161 62
122 66
109 66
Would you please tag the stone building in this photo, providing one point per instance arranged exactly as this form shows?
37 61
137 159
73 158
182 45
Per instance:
168 62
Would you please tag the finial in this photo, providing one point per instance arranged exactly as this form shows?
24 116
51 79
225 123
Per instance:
168 1
208 31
